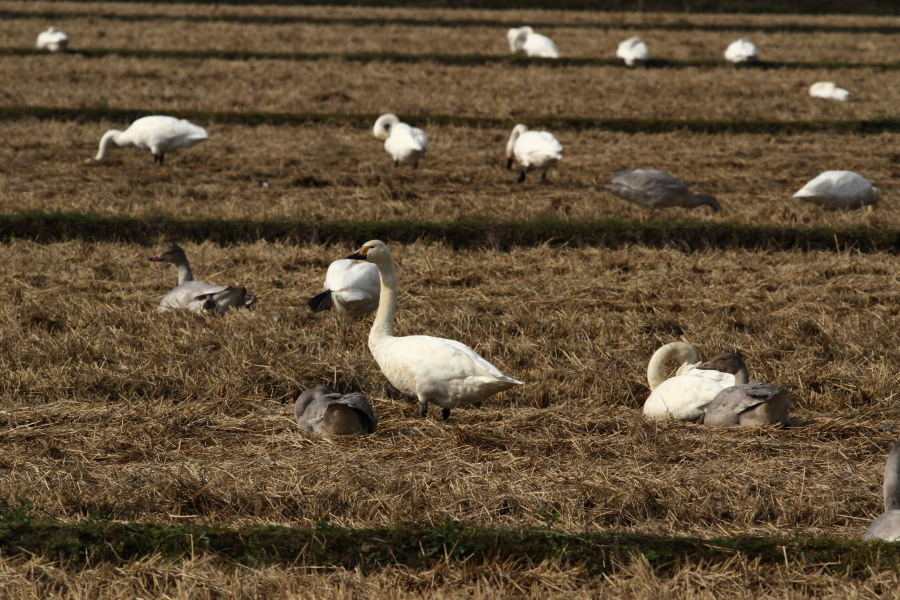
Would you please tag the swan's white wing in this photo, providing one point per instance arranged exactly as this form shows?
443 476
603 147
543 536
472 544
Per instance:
537 148
406 144
741 51
683 398
839 189
188 295
726 379
540 46
346 274
633 50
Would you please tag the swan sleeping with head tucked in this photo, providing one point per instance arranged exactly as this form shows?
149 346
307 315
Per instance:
351 288
404 143
746 403
432 369
844 190
741 51
633 51
828 90
656 190
52 40
322 410
157 133
524 41
887 526
533 150
684 396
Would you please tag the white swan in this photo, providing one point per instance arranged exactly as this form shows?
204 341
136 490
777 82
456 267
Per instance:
321 410
198 296
746 403
656 190
828 90
684 396
351 288
886 526
741 51
157 133
633 51
52 40
437 370
839 190
524 41
405 144
533 150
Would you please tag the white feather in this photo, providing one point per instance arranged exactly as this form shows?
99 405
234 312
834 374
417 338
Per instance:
839 190
633 51
52 40
157 133
741 51
524 41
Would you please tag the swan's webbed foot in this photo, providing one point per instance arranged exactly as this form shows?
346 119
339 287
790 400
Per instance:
423 410
445 415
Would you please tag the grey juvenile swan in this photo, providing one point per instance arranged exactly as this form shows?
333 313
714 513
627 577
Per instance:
656 190
887 526
322 410
746 403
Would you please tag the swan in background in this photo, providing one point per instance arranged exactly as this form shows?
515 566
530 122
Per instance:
157 133
886 527
746 403
533 150
321 410
198 296
351 288
52 40
684 396
839 190
523 41
741 51
405 144
656 190
436 370
828 90
633 51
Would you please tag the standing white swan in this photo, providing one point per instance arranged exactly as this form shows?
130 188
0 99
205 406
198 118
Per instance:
886 526
436 370
741 51
686 395
351 288
533 150
404 143
656 190
839 190
746 403
524 41
52 40
199 296
322 410
633 51
157 133
828 90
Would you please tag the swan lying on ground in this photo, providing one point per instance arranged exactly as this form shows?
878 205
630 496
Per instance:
828 90
741 51
839 190
886 526
656 190
52 40
157 133
432 369
321 410
686 395
351 288
533 150
524 41
633 51
746 403
405 144
199 296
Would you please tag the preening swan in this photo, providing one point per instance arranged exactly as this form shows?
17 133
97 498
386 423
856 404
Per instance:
828 90
405 144
741 51
656 190
199 296
321 410
886 527
839 190
436 370
524 41
157 133
746 403
684 396
351 288
52 40
533 150
633 51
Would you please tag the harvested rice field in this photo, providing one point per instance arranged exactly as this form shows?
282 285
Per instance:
149 454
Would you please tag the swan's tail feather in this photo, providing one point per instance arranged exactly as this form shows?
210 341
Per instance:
320 302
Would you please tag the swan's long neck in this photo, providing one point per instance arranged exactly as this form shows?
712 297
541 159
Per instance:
184 272
511 144
113 136
892 480
656 368
383 327
741 376
703 199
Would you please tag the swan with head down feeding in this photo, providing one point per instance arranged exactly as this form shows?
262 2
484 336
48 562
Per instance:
656 190
746 403
839 190
523 41
684 396
532 150
434 370
157 133
886 527
405 144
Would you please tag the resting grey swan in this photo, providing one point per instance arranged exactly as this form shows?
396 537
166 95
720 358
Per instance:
656 190
533 150
351 288
404 143
684 396
198 296
157 133
886 526
322 410
746 403
839 190
436 370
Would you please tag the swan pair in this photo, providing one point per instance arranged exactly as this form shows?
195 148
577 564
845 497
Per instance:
716 393
523 41
404 143
656 190
157 133
321 410
532 150
52 40
199 296
843 190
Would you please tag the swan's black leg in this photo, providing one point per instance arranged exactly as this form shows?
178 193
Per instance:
445 414
423 410
544 177
396 163
522 175
509 163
